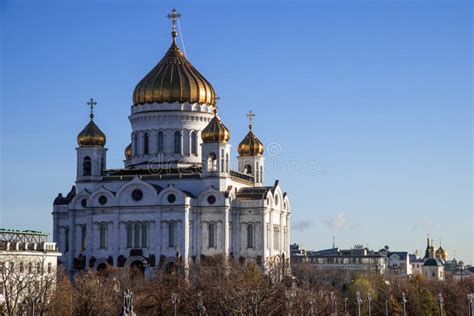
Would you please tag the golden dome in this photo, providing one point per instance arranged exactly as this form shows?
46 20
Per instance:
215 132
91 135
250 145
441 253
174 79
128 151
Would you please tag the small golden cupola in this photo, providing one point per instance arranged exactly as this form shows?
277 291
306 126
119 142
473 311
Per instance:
441 253
250 145
91 135
174 79
128 151
215 131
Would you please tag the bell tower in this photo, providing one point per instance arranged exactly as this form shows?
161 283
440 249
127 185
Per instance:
250 159
91 154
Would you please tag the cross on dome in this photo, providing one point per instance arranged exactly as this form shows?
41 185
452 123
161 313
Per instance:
173 16
250 115
92 104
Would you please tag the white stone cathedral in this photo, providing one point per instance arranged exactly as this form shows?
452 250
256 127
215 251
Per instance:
176 199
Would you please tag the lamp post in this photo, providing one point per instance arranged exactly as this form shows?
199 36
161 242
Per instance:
174 301
359 302
440 303
345 307
470 298
386 307
461 268
369 299
404 302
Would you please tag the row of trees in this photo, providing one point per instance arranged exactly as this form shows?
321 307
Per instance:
218 287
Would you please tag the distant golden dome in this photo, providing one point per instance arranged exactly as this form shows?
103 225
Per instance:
250 145
215 132
174 79
91 135
441 253
128 151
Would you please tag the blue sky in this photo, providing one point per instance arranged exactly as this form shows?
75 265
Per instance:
366 105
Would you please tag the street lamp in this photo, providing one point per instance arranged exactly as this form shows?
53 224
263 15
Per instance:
369 299
345 307
174 301
358 301
404 302
470 298
333 303
461 268
440 302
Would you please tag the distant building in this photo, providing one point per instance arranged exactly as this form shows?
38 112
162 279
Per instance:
399 263
357 259
433 265
27 261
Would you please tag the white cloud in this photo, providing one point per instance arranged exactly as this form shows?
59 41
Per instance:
338 222
301 225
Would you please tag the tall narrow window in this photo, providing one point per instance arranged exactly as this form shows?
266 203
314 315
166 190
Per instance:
171 229
83 237
160 142
87 166
136 235
194 141
144 235
102 233
177 142
227 167
211 234
135 144
66 239
250 236
145 143
129 235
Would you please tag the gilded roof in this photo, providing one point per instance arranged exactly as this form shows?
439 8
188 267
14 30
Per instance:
174 79
215 132
128 151
250 145
91 135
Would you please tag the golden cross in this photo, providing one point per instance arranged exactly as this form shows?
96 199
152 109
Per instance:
250 115
91 104
173 16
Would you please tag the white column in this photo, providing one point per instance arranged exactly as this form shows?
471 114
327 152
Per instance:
226 231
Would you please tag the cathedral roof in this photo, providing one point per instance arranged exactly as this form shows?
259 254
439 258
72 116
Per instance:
128 151
91 135
215 132
174 79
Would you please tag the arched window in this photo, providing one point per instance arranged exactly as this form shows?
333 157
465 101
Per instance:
171 229
194 141
211 229
129 235
227 167
83 237
248 169
160 142
135 144
212 162
66 239
145 144
177 142
87 166
136 235
144 235
102 232
250 236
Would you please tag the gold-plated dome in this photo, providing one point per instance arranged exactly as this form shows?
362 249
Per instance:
250 145
215 132
91 135
128 151
441 253
174 79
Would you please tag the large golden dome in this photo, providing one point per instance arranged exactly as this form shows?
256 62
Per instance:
174 79
250 145
215 132
91 135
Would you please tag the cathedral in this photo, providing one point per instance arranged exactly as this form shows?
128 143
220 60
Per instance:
176 200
